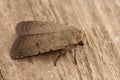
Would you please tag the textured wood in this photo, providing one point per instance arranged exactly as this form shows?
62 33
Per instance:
99 59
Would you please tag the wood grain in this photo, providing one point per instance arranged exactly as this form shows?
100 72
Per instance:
99 59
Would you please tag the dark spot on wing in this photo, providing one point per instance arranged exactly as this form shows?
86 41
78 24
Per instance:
37 44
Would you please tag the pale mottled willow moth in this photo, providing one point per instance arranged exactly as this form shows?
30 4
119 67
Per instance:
37 37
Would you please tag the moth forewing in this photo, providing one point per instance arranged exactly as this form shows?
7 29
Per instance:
36 37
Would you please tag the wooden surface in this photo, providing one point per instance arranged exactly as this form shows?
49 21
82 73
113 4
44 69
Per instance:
99 59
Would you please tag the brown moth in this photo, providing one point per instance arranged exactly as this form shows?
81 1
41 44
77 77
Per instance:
37 37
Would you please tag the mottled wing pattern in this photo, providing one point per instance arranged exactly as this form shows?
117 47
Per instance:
36 38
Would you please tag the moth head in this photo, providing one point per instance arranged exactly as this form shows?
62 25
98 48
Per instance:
80 38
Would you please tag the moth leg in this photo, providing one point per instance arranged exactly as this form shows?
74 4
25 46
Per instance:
63 52
58 57
74 54
73 51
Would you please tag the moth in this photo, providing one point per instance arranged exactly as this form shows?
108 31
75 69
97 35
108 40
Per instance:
37 37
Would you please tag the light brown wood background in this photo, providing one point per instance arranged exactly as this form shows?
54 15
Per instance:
99 59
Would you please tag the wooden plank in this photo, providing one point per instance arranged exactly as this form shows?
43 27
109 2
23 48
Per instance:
99 59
